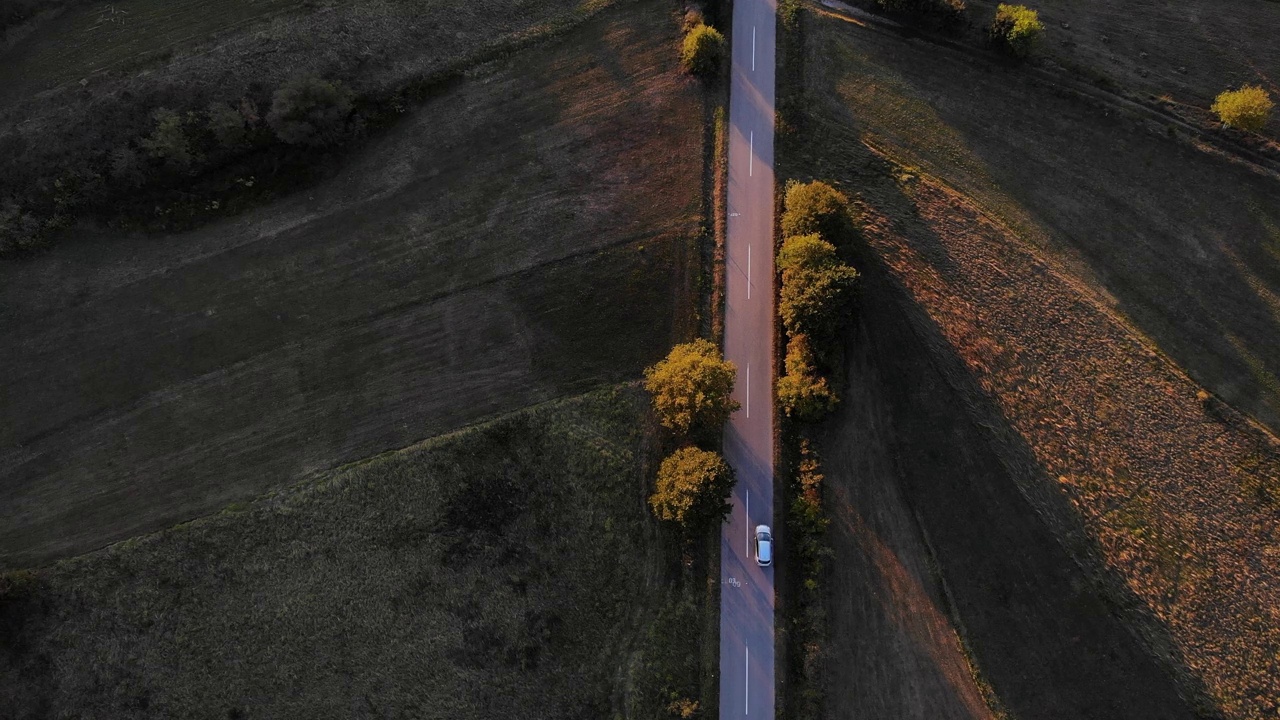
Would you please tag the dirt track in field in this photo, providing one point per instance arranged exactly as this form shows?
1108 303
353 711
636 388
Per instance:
526 236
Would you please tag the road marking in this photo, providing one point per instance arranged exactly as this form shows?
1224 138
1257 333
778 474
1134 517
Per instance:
746 685
748 390
748 272
751 156
753 48
748 523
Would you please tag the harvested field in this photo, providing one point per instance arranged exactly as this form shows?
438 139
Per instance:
1042 248
507 570
528 235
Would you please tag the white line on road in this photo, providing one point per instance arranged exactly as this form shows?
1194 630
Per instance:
746 685
751 155
748 272
748 524
753 48
748 390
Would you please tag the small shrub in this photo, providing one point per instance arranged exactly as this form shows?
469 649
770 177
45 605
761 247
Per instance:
815 302
703 51
815 207
802 393
20 231
169 141
806 252
310 111
692 488
947 11
17 584
226 124
1248 108
805 397
692 387
1017 28
789 13
684 708
809 474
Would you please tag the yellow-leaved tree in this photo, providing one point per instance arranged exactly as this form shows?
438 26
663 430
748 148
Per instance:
692 388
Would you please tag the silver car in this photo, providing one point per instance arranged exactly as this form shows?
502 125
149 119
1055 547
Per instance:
764 546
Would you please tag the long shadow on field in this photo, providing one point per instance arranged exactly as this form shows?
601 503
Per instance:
939 479
1051 643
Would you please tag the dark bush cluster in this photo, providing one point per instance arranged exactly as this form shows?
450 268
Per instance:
132 153
943 11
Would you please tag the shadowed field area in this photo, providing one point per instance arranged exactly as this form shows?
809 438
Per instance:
529 234
1105 531
223 43
507 570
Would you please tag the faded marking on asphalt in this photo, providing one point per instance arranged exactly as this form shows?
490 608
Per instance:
746 686
751 155
753 48
748 390
748 524
748 272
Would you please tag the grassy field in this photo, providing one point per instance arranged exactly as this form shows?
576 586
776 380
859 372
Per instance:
508 570
529 234
1190 50
1046 250
80 89
226 45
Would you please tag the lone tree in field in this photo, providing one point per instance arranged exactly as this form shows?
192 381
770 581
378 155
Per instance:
1017 28
1248 108
815 207
692 387
692 489
310 111
703 51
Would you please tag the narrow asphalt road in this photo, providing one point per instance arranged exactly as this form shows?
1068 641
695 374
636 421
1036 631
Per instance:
747 597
